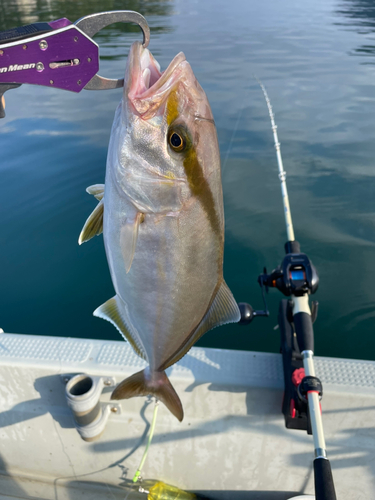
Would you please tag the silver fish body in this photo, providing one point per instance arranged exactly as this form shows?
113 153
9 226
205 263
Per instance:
163 221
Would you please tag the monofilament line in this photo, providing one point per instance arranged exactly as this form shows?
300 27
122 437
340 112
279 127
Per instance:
282 173
142 462
231 141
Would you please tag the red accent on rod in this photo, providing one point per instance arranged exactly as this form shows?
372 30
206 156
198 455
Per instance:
292 409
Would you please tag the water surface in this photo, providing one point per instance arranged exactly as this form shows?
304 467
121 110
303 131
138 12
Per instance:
317 60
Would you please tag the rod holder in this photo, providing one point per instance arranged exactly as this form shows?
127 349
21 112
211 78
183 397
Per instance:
83 397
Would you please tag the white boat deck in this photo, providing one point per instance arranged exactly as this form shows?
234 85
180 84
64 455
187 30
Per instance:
232 443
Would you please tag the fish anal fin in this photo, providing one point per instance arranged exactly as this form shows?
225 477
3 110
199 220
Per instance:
94 224
224 309
96 190
114 311
129 237
157 383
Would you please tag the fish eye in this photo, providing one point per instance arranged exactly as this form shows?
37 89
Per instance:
176 142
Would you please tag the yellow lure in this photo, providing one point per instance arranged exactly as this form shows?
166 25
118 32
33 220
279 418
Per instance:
162 491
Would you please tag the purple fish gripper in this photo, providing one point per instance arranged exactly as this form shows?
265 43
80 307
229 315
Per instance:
65 58
60 23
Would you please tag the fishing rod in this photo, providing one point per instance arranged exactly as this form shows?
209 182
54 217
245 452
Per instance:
296 278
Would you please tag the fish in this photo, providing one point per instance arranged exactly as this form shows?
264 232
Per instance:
162 218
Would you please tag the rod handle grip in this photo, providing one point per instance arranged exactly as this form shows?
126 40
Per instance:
324 487
304 331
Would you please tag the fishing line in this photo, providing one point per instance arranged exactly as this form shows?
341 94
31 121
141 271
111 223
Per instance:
118 462
153 423
231 141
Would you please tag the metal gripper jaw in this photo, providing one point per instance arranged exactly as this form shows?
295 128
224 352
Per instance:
3 88
60 54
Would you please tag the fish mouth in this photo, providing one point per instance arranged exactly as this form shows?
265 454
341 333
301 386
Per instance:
146 87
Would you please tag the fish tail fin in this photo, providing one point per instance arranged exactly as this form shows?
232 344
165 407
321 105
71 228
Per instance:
140 384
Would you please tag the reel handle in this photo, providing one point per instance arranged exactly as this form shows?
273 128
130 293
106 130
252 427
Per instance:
248 313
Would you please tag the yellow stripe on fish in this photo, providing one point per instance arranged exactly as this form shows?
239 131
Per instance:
201 189
198 184
172 107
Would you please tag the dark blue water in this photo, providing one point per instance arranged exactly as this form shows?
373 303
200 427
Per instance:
317 60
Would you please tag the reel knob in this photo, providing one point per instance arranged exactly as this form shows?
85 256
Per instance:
247 313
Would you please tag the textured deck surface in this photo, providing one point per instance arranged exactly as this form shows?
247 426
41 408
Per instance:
263 369
232 443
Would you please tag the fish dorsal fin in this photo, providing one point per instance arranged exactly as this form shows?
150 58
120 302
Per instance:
224 309
114 311
96 190
128 239
94 224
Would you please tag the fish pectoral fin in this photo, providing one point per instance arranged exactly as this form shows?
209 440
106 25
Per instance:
159 385
94 224
114 311
224 309
96 190
128 239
